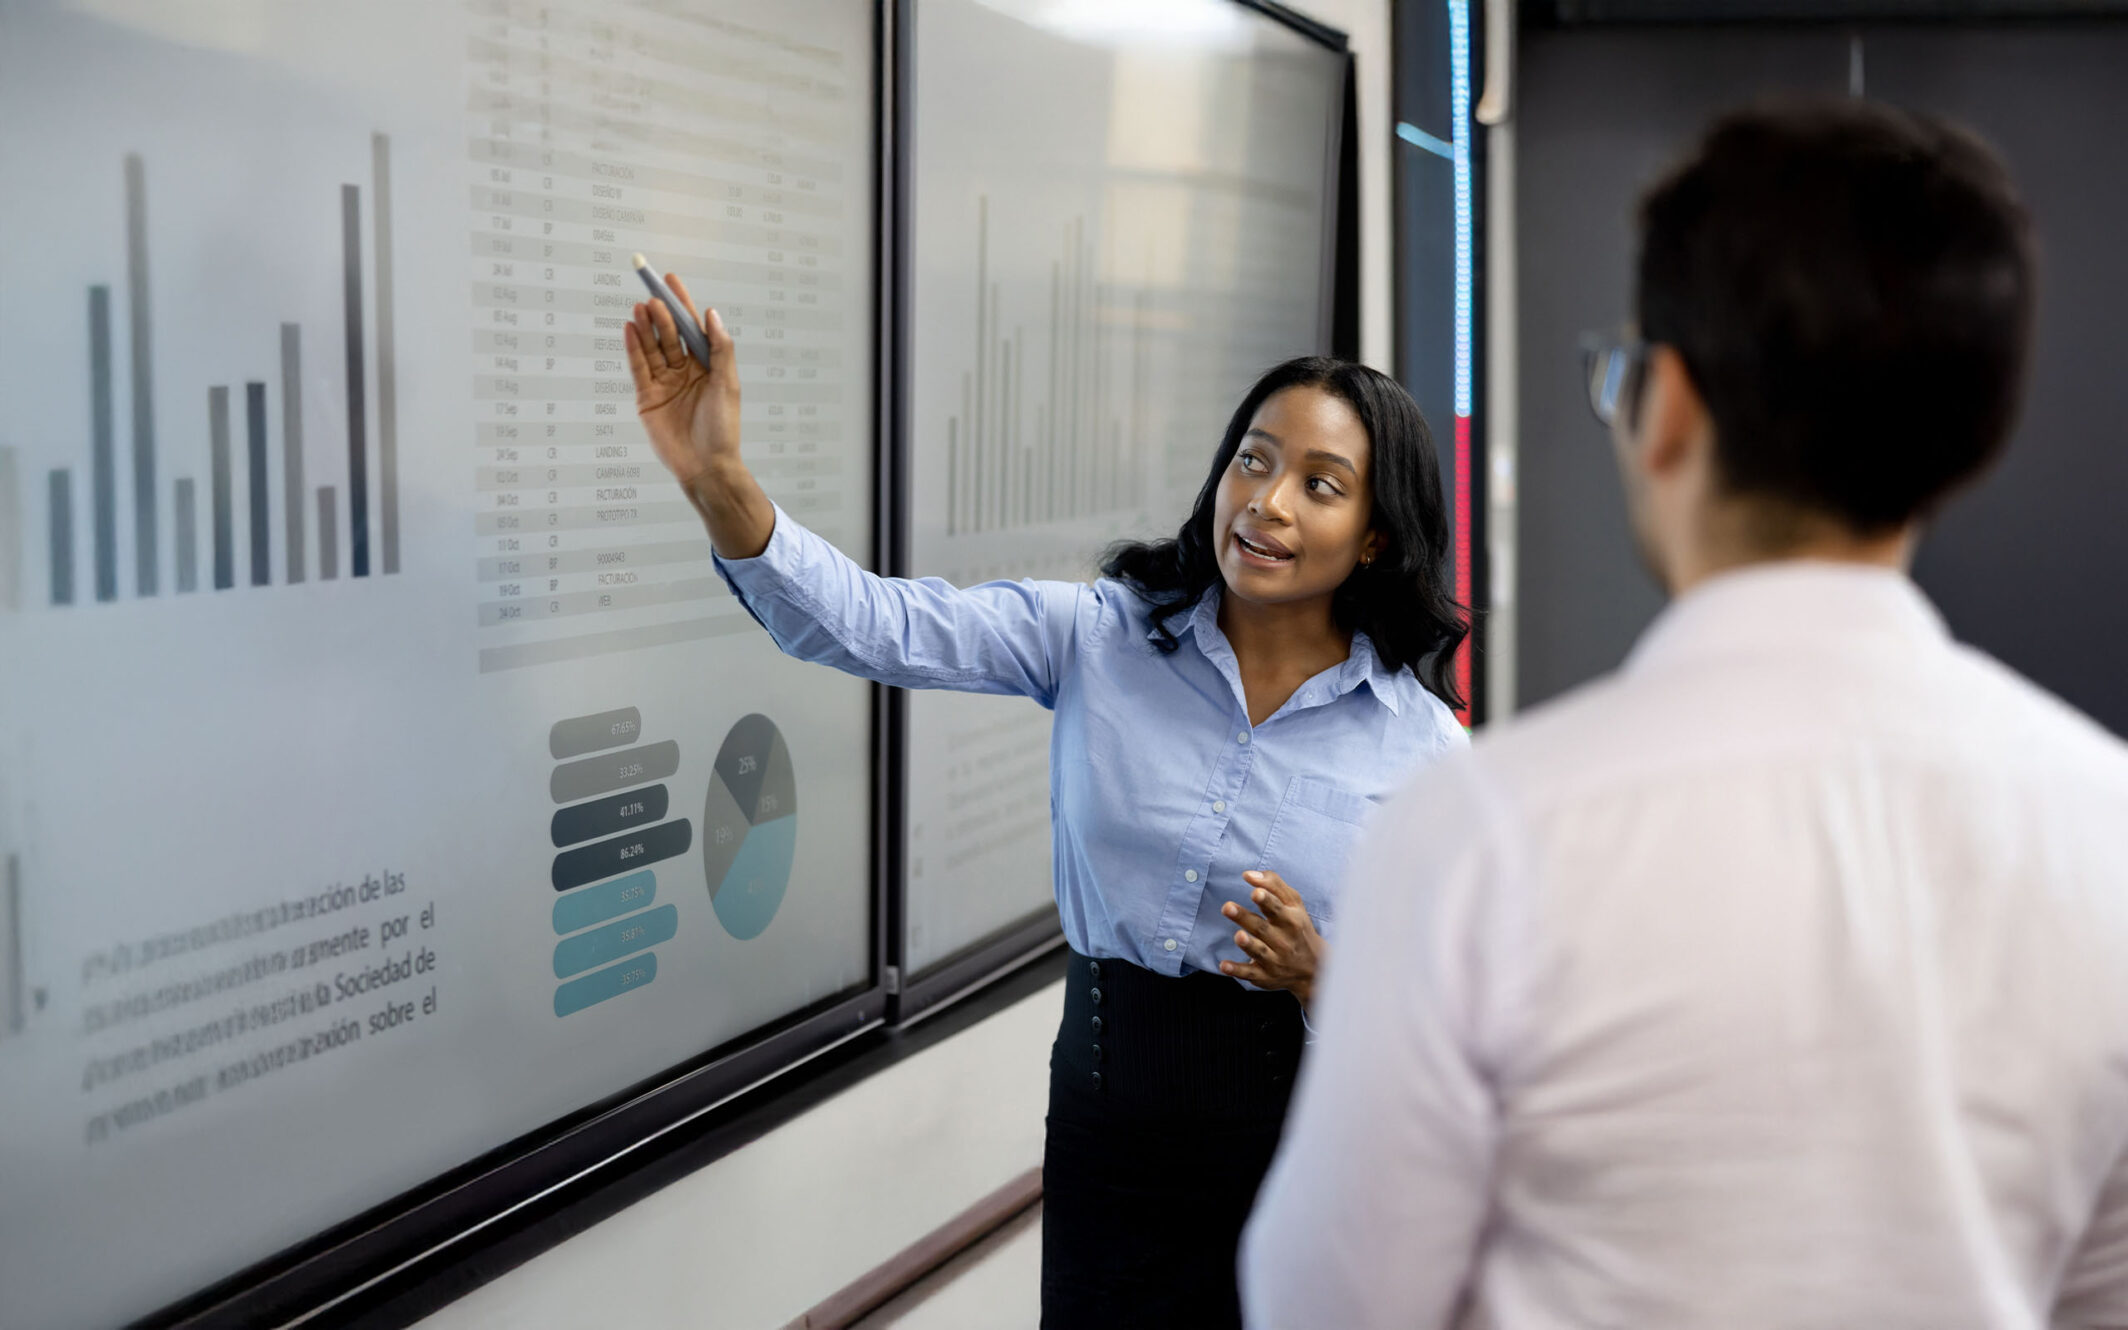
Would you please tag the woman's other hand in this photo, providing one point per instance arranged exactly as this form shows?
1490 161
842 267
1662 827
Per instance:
1282 946
690 413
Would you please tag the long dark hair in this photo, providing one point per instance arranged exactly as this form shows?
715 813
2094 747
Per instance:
1404 601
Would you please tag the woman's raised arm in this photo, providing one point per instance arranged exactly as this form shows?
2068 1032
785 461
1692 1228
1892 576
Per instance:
1001 637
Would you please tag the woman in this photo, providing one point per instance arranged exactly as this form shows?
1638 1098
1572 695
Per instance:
1226 704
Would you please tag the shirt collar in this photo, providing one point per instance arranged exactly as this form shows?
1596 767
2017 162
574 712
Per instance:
1362 665
1782 606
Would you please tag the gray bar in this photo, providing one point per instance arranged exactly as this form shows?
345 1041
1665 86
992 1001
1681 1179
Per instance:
1049 407
10 533
1012 432
563 433
328 534
1138 375
998 407
144 575
977 421
713 273
600 644
15 1004
699 146
492 201
613 771
726 186
62 534
292 444
255 488
357 462
627 515
509 387
626 474
1073 308
507 521
519 341
588 734
387 391
187 537
1002 443
561 563
218 481
522 299
103 486
555 605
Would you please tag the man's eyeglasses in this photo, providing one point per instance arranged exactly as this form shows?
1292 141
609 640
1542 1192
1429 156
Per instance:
1612 366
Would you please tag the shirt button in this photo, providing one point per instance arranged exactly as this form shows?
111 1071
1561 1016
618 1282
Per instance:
1094 968
1169 944
1097 1052
1097 1025
1219 805
1097 1080
1242 737
1096 996
1190 876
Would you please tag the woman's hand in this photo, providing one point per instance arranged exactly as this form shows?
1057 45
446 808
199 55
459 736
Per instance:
1283 947
692 417
690 413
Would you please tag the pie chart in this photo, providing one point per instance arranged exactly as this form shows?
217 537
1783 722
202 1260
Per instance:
750 827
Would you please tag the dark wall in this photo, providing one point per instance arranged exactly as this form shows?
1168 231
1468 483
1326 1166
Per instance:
1600 113
2032 565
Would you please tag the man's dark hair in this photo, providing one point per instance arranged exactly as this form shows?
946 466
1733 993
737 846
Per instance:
1851 287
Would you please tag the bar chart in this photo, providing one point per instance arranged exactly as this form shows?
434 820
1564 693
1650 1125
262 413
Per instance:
240 434
1067 452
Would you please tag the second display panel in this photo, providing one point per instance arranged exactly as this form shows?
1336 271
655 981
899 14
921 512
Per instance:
1118 220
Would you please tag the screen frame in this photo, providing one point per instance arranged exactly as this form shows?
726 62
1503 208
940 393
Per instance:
915 994
576 1153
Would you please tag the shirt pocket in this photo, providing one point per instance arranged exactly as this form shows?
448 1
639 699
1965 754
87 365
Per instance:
1312 838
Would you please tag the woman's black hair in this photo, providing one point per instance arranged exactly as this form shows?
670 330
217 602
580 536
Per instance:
1403 601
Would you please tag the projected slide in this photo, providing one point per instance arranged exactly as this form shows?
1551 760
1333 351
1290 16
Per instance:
1122 216
384 772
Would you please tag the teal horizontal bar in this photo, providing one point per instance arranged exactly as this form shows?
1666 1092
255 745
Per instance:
612 981
607 900
622 937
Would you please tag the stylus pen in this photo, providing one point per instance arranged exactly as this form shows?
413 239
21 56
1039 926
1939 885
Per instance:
690 331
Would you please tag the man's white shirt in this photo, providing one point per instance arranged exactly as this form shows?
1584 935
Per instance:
1778 980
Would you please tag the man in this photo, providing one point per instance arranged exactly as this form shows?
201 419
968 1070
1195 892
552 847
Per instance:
1780 979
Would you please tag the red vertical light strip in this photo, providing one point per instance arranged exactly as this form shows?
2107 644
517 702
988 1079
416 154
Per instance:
1462 556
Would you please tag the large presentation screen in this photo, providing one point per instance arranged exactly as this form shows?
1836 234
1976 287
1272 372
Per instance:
385 774
1121 215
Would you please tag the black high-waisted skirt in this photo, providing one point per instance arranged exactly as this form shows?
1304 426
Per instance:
1165 1101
